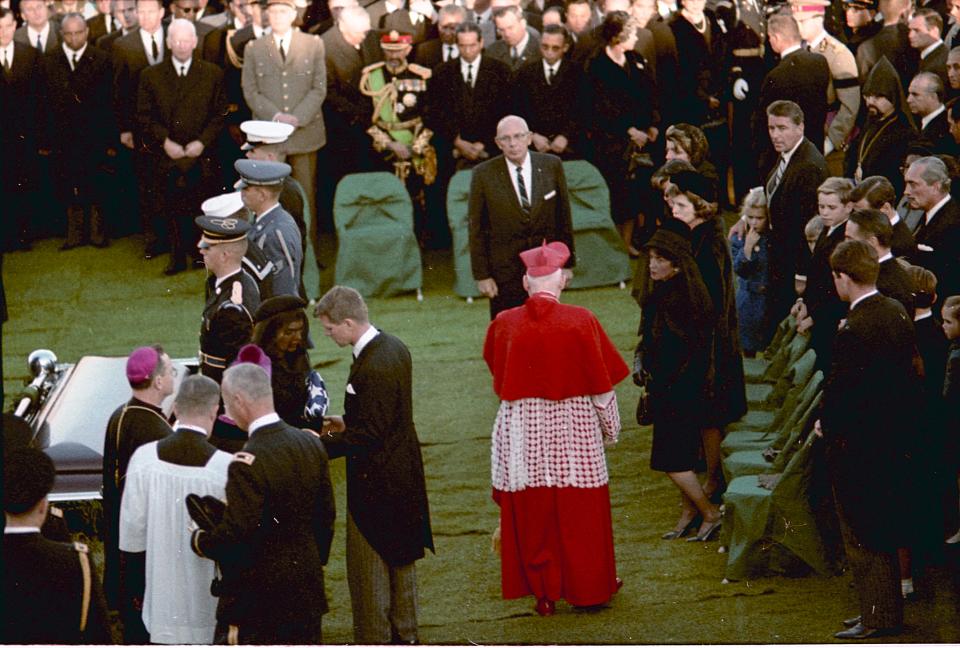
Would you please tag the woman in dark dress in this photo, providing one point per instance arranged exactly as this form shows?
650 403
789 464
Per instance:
727 398
672 360
282 331
623 111
701 46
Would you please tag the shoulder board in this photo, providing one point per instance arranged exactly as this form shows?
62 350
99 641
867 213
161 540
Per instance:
372 67
313 432
244 457
236 295
424 72
56 512
79 547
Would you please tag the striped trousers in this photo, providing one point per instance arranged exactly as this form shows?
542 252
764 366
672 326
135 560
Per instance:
383 598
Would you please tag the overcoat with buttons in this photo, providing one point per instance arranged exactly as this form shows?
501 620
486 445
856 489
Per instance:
296 86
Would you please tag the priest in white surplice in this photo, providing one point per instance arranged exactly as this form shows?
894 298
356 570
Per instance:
177 605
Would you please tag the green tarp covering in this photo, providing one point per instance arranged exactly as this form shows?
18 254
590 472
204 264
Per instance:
377 252
601 257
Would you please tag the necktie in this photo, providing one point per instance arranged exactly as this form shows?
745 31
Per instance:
551 73
777 177
76 59
470 74
3 59
447 52
513 54
39 43
522 186
183 71
283 54
156 50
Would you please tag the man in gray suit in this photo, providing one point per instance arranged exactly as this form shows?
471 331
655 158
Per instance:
518 44
38 30
517 200
285 80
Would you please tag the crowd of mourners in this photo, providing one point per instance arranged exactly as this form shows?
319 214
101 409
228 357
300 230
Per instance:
831 128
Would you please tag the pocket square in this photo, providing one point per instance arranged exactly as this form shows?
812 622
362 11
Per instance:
924 248
550 195
350 389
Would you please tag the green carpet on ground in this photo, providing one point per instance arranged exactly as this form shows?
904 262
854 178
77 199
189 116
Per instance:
106 302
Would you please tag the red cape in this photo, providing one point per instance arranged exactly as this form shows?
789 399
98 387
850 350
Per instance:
545 349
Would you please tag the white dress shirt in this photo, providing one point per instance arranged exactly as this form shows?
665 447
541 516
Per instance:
859 299
148 40
929 49
929 118
74 53
6 55
933 210
364 340
526 169
192 428
266 419
547 68
43 34
282 42
259 31
475 66
182 67
517 51
450 52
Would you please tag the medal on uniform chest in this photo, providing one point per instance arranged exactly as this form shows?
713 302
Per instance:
409 100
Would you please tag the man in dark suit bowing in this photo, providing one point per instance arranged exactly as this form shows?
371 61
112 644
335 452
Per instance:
517 200
181 106
791 187
925 99
518 44
546 92
938 232
873 228
439 50
388 518
278 524
801 77
870 399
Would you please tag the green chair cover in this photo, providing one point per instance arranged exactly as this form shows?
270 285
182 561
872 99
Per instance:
458 196
798 373
377 252
601 256
793 345
774 531
755 368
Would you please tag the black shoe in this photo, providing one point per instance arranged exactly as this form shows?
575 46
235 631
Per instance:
174 267
679 533
849 623
861 631
707 534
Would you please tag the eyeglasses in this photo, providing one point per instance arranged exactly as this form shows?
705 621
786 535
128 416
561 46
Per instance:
188 9
519 137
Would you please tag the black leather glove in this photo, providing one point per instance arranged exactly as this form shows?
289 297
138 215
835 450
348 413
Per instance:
640 376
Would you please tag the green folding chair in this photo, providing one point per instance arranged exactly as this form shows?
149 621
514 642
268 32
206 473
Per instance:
774 531
754 369
602 259
377 250
458 197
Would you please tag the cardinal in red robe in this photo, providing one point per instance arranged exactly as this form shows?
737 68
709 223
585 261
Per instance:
554 369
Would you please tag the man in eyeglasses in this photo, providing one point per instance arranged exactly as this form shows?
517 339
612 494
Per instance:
517 200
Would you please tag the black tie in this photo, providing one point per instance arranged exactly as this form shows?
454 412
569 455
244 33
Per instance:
183 71
470 74
550 75
156 50
283 55
76 59
39 43
522 186
3 60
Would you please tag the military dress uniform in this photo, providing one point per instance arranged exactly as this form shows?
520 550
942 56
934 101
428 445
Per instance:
843 94
255 262
227 322
746 41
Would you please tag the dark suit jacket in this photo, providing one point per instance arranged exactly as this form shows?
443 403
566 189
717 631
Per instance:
552 109
501 51
880 152
20 107
386 488
870 399
943 235
185 448
345 106
902 244
277 529
129 60
182 109
106 41
936 62
41 576
938 132
454 109
893 42
820 296
791 206
97 26
77 102
895 283
53 38
500 230
802 77
215 51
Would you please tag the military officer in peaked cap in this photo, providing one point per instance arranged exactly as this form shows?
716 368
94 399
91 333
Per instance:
274 231
861 23
255 262
265 142
232 295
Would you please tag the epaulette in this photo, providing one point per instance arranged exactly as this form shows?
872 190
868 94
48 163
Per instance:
373 66
79 547
236 294
245 457
420 70
313 432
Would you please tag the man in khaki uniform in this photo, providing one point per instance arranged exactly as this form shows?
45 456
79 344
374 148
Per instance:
285 80
843 95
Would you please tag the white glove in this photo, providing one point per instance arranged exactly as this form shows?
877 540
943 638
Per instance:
827 146
740 89
424 7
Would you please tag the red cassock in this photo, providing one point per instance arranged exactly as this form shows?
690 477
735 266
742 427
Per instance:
554 369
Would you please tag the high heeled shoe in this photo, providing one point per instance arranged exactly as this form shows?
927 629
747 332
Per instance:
707 534
679 533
